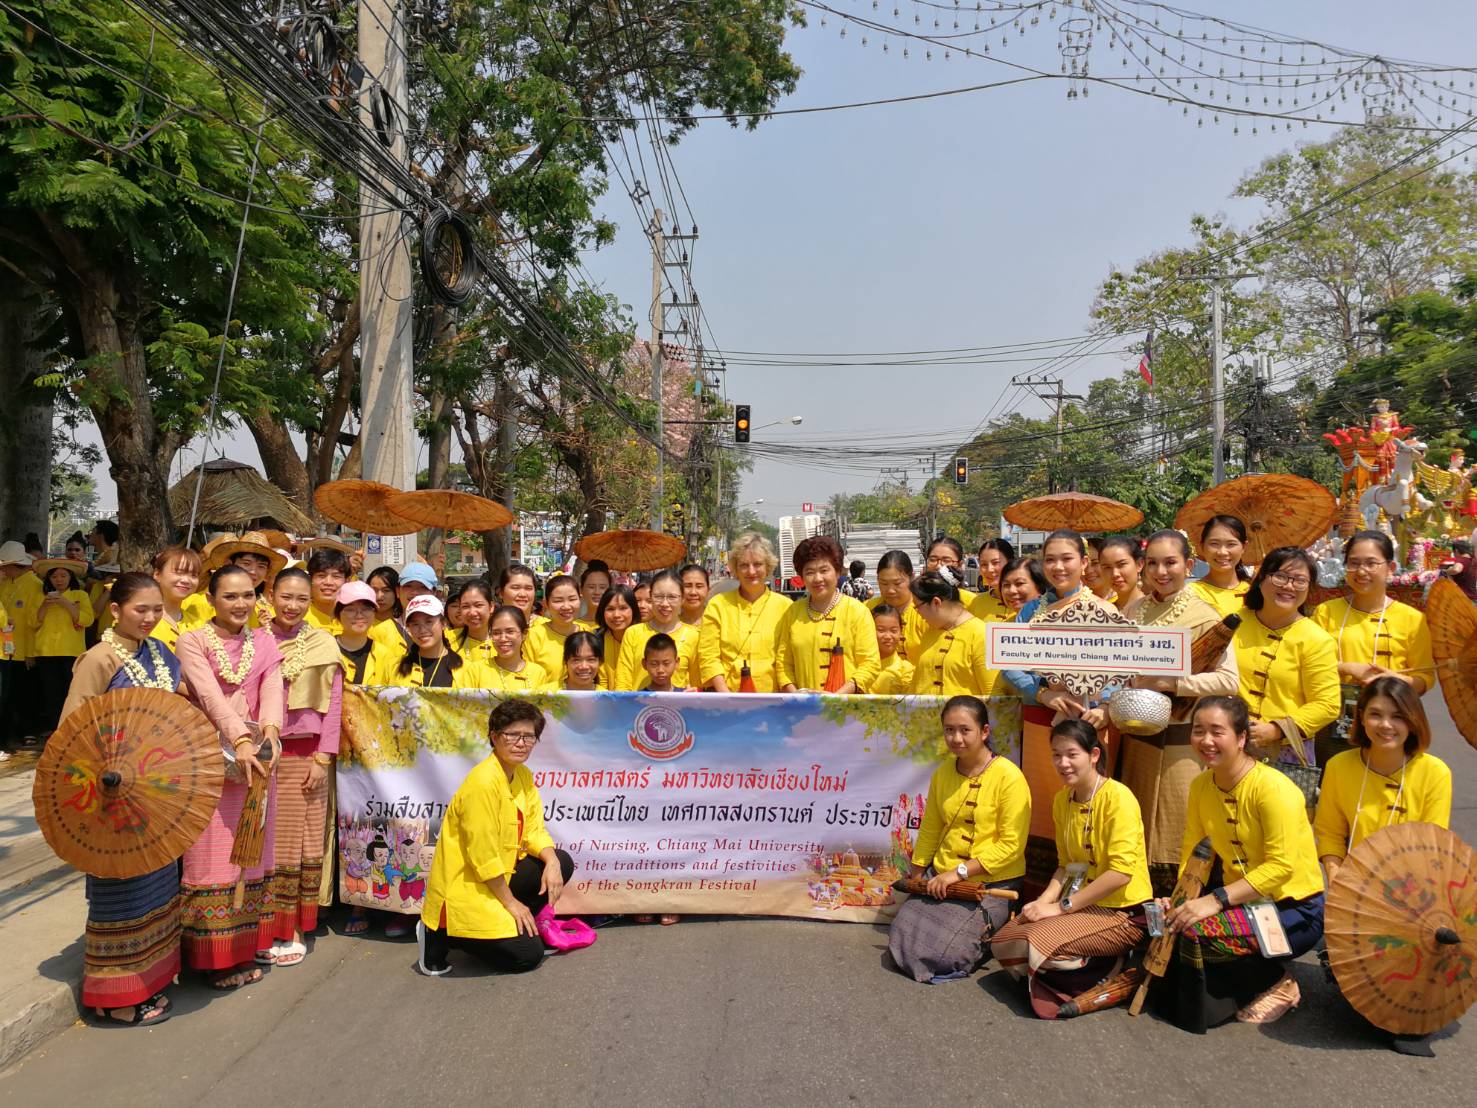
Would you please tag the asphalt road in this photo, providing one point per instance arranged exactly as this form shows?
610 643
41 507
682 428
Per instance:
723 1012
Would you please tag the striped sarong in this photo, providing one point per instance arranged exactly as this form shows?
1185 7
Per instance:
297 860
1066 955
218 934
132 947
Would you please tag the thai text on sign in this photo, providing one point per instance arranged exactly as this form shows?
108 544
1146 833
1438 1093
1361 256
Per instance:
1151 651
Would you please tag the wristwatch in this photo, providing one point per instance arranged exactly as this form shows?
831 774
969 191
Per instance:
1222 897
962 869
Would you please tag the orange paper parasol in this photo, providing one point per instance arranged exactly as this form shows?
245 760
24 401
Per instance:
1081 511
1401 925
361 505
461 511
1453 622
1278 509
128 782
631 551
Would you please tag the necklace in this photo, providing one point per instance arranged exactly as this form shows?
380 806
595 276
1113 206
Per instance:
231 675
816 617
1374 657
160 678
428 680
294 655
1358 804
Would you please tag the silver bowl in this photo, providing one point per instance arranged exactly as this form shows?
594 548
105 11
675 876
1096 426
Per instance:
1139 711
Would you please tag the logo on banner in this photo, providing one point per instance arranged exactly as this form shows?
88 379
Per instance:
660 733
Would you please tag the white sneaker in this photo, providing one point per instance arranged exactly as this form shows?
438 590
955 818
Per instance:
420 946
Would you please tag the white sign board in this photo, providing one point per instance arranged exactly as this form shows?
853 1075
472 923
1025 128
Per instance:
1149 651
388 550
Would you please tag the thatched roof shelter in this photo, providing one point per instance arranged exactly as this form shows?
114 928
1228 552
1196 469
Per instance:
236 497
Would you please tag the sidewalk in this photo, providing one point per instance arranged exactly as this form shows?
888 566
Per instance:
42 904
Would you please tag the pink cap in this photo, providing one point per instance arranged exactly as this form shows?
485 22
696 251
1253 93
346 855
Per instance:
357 592
428 604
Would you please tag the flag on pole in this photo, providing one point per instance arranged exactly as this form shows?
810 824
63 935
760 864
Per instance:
1146 368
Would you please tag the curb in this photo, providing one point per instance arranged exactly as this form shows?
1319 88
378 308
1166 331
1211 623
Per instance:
51 1011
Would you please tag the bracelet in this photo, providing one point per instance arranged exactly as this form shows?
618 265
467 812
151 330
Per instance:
324 759
1222 897
237 744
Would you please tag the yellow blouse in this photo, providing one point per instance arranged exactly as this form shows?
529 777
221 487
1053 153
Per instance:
545 646
985 818
20 596
952 662
735 631
986 606
1288 674
531 678
611 651
466 646
1355 795
630 674
894 678
1396 639
315 618
1260 831
387 633
376 664
55 635
490 824
1224 601
802 645
471 674
914 628
1106 834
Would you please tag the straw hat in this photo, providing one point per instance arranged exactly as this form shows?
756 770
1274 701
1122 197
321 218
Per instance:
42 567
253 542
305 547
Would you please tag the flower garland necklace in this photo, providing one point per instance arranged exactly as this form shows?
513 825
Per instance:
229 674
294 655
161 678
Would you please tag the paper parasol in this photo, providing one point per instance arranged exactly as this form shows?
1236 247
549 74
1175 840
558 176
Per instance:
1401 925
128 782
1081 511
1278 509
631 551
1453 621
461 511
361 505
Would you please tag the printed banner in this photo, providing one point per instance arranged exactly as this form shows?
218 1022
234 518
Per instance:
678 802
1151 651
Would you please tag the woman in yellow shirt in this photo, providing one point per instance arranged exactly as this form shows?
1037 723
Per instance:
1388 778
177 572
994 555
695 588
58 633
582 661
511 670
895 674
364 660
1258 827
430 662
736 638
809 632
614 615
1222 543
1288 664
1090 916
1374 634
518 585
1022 581
545 643
593 583
974 829
497 874
472 639
951 658
894 578
666 602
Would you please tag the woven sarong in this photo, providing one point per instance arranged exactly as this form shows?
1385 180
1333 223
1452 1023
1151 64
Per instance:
940 940
132 946
297 860
1158 770
1042 778
218 934
1066 955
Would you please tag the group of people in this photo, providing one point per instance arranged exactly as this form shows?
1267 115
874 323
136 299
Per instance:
264 648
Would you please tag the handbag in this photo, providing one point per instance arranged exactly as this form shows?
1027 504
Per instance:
1305 775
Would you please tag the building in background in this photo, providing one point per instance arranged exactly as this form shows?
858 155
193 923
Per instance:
869 541
793 531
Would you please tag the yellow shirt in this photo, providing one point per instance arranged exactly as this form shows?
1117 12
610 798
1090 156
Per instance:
376 662
481 841
101 605
1260 831
914 628
386 632
952 662
21 597
987 607
735 631
471 674
531 678
802 645
985 818
545 646
1288 674
466 646
1401 640
894 678
1369 800
610 648
315 618
1224 601
56 636
630 674
1107 834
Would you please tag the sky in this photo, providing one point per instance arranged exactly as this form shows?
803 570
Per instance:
980 219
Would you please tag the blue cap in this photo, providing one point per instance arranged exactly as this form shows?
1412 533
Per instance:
419 573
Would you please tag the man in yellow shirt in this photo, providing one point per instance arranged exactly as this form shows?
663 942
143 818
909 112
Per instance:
20 595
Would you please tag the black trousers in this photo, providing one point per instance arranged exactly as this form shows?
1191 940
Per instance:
53 676
518 954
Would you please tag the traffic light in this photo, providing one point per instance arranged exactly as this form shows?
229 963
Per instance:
961 470
741 423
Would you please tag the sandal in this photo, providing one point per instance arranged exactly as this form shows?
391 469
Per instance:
1273 1004
668 920
266 957
357 923
143 1015
290 954
234 979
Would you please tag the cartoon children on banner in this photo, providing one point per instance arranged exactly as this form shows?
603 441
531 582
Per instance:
384 864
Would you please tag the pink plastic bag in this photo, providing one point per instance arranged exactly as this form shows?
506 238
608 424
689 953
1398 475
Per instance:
563 935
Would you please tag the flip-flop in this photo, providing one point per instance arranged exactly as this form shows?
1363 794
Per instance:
146 1014
668 920
266 957
356 925
236 978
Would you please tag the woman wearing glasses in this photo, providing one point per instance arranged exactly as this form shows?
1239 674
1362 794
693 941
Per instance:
1375 635
496 870
944 551
666 617
1288 664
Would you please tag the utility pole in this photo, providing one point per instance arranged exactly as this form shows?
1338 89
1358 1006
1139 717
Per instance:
385 290
1046 387
1217 385
658 271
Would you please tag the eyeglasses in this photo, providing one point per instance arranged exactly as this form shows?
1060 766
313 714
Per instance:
1282 580
519 738
1363 563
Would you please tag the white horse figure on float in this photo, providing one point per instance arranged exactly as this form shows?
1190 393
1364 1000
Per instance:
1399 496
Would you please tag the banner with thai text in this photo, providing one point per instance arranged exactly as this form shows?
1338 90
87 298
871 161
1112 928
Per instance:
792 805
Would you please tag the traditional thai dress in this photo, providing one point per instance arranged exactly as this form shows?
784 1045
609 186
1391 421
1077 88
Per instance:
736 632
313 687
803 642
894 678
951 662
1355 801
531 678
1159 768
219 933
914 628
1259 831
1224 601
1289 677
131 951
982 818
1064 956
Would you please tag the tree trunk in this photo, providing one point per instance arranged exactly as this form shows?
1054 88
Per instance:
26 451
280 459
